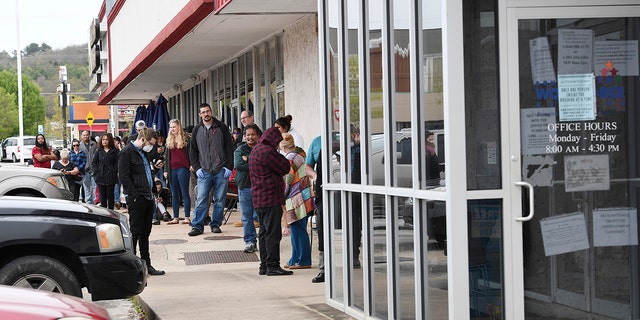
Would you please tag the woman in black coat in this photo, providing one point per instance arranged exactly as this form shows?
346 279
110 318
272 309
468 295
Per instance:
105 169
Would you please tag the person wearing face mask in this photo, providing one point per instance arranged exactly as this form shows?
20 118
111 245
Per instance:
137 182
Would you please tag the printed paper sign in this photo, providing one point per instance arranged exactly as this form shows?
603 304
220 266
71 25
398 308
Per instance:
577 97
615 227
575 51
541 65
534 131
622 55
538 170
562 234
586 173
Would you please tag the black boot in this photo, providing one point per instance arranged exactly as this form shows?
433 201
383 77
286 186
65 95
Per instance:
319 278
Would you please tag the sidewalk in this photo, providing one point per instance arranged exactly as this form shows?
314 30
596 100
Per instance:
223 290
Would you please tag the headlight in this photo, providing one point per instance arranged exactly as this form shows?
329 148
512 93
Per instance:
109 237
58 181
126 232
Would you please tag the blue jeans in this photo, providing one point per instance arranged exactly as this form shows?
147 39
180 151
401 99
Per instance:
180 181
89 186
219 184
300 245
116 192
248 213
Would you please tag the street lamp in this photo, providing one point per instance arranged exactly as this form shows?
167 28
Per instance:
62 76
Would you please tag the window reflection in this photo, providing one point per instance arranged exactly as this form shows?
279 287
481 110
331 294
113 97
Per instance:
378 259
337 237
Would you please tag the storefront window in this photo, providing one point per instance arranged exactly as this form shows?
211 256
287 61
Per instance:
481 95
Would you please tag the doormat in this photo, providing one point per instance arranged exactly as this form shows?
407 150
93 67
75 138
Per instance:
210 257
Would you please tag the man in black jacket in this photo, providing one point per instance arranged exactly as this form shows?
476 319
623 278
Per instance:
137 181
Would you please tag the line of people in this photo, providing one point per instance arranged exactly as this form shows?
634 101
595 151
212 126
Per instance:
274 180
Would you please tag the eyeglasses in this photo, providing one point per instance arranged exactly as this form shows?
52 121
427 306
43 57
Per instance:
236 133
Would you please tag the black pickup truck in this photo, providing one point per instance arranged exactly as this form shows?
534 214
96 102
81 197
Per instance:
63 246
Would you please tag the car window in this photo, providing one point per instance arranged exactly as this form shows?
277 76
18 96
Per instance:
30 141
404 148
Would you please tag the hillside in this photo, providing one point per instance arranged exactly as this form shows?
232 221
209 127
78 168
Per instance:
41 65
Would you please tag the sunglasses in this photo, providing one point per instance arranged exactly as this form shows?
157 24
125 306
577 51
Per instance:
76 145
236 132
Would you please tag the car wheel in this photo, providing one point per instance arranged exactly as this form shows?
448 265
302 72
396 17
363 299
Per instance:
14 158
41 273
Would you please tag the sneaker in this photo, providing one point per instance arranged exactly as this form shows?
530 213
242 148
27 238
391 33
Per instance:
216 229
155 222
194 232
250 247
238 224
166 216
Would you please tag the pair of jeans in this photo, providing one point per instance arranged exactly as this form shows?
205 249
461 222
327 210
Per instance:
89 186
300 245
219 184
116 193
180 181
269 236
248 213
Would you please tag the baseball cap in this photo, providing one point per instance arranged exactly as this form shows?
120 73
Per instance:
140 125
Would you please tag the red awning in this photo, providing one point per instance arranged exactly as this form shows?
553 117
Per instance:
95 127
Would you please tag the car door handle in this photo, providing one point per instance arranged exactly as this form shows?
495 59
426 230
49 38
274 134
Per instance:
527 185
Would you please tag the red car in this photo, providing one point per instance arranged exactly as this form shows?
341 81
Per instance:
19 304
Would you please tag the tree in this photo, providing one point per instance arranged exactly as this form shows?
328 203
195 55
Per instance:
33 106
9 112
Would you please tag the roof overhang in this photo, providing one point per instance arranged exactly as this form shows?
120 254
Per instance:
199 37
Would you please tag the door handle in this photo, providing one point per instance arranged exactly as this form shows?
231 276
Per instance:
527 185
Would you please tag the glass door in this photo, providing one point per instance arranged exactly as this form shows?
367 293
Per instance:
573 88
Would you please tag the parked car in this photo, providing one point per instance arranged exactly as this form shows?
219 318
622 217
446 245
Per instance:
14 147
63 246
19 303
33 182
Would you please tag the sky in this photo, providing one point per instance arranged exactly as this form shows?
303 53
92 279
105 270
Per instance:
58 23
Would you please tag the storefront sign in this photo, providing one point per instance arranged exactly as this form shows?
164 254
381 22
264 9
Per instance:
563 234
577 97
586 173
615 227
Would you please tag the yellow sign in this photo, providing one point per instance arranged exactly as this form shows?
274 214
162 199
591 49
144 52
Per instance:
89 118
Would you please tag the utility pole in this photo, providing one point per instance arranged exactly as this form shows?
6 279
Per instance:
62 75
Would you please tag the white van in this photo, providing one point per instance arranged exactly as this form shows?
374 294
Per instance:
13 147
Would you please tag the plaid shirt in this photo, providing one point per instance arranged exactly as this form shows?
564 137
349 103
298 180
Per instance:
266 169
79 159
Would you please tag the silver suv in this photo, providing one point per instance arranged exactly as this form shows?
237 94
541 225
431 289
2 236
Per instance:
33 182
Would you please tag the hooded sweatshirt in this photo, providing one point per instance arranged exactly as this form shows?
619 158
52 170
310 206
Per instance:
266 168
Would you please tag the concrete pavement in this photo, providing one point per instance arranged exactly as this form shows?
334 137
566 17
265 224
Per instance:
222 290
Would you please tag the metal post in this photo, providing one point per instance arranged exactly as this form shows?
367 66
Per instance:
64 114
